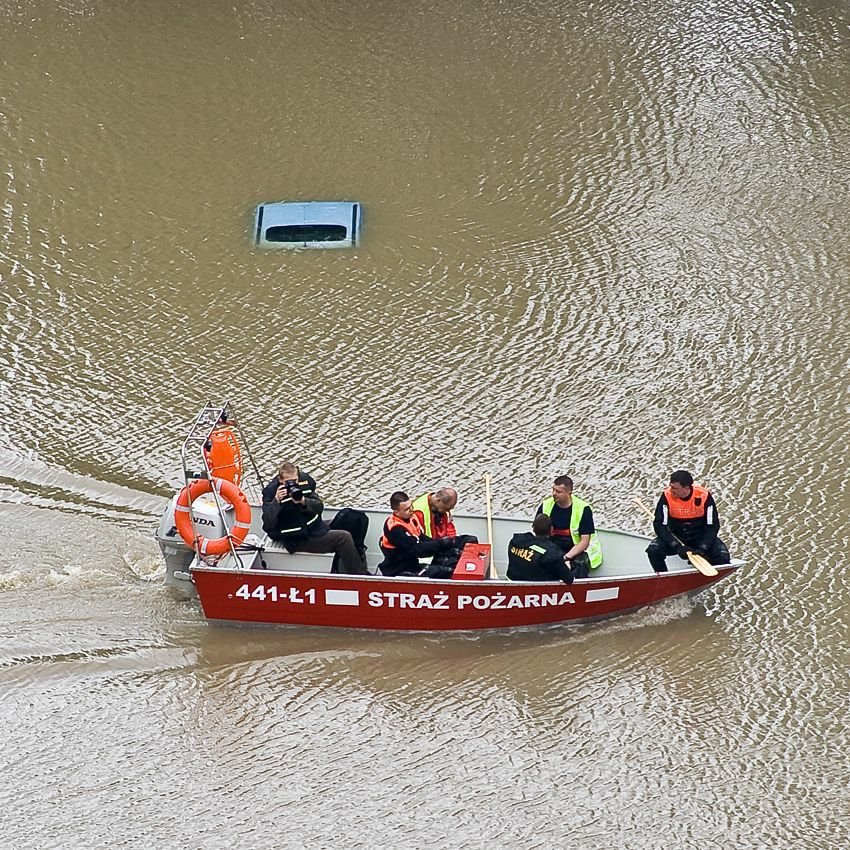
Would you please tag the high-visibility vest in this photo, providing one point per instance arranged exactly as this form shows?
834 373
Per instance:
411 525
594 549
690 508
421 504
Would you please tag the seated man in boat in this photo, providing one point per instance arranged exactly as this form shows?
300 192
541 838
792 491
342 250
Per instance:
686 520
404 542
434 512
532 556
573 528
294 517
289 472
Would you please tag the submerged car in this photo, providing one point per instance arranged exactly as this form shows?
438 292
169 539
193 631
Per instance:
307 224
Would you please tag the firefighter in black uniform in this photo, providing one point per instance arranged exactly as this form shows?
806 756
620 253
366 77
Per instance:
686 511
404 542
532 556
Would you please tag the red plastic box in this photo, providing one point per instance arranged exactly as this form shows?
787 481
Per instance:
473 562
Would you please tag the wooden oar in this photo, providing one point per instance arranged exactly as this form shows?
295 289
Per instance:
491 572
698 561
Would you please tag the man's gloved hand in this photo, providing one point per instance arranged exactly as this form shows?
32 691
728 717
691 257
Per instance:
446 544
682 552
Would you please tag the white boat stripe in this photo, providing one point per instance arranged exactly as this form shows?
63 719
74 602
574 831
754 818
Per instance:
602 593
342 597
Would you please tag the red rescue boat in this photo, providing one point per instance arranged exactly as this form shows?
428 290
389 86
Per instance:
258 581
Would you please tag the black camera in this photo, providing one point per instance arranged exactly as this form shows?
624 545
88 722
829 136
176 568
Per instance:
293 490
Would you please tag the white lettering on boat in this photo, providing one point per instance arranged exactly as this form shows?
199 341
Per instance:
482 602
439 601
272 593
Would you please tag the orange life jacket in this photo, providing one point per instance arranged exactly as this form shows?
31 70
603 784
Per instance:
687 509
223 455
412 526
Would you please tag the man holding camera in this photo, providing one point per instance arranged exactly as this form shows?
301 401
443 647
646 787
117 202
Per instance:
289 472
292 514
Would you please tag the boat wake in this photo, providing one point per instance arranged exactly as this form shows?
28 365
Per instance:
678 608
25 481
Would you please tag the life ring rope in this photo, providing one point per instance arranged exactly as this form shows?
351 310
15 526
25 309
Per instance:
227 490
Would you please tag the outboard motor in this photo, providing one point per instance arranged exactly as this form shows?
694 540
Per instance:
178 556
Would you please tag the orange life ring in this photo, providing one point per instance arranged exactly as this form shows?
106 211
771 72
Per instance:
228 491
223 455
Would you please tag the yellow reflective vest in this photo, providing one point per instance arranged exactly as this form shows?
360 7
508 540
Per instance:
594 549
421 503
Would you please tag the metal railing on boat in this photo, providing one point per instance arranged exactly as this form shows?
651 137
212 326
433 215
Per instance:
211 418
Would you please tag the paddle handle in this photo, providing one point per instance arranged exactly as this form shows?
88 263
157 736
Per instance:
491 567
648 512
698 561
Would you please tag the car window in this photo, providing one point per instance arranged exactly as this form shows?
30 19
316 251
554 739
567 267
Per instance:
306 233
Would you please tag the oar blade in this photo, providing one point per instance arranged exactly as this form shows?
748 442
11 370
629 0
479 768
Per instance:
702 564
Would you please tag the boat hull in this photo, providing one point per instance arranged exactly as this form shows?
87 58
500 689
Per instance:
415 604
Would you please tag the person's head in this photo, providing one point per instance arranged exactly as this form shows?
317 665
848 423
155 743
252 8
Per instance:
542 525
401 505
445 499
562 490
287 472
681 482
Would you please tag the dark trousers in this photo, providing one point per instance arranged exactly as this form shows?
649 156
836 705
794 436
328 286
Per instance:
340 543
581 565
581 562
658 550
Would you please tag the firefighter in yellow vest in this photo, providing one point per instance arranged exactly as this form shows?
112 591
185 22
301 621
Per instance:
434 512
573 528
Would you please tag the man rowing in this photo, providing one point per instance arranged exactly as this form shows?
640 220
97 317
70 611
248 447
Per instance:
686 520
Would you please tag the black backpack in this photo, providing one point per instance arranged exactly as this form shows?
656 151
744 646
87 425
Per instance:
356 523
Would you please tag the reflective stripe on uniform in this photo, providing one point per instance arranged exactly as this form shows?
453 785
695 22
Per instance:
594 547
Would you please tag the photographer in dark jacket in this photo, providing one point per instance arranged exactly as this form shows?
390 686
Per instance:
293 515
532 556
289 472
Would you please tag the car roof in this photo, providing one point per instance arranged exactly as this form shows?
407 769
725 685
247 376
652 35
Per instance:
307 212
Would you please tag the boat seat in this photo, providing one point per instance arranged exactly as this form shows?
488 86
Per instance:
276 546
324 560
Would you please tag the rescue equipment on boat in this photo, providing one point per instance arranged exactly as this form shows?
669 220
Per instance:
228 491
223 455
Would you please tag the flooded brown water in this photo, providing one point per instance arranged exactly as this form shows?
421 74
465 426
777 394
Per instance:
602 238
